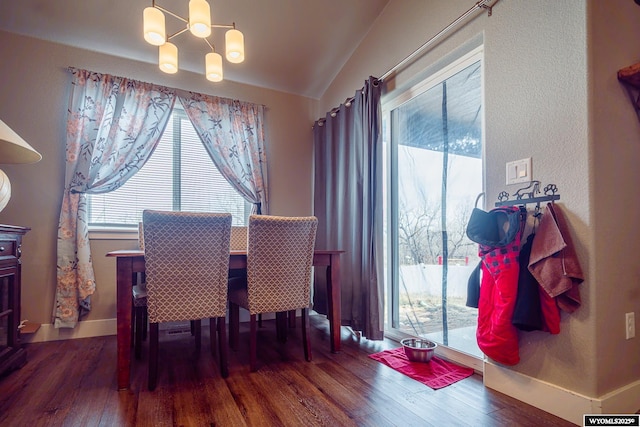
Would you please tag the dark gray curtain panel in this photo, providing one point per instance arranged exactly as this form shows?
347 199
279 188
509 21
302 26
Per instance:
348 205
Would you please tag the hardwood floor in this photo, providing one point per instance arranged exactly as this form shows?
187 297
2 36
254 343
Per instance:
73 383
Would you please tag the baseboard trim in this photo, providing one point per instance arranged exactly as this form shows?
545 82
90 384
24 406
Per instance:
97 328
625 400
83 329
558 401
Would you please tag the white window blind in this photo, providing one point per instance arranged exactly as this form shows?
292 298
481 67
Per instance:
179 176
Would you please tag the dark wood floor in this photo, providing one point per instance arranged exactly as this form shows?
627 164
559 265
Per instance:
73 383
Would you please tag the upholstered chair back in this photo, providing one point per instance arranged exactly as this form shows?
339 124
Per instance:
239 238
140 236
279 259
187 263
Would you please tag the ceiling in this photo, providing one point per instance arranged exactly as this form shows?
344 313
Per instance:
294 46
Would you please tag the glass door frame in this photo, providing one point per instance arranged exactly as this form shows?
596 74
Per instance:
389 103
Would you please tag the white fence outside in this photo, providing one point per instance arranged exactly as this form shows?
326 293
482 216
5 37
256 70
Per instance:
420 279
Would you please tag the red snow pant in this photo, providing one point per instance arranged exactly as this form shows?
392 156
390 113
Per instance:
496 335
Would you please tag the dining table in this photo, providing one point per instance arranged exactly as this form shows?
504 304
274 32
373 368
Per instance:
131 262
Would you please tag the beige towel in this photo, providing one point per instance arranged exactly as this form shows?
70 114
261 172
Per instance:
553 260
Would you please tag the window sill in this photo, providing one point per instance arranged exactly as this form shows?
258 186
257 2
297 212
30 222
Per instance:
113 233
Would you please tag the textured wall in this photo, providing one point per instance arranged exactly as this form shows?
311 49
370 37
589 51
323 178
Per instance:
34 99
550 94
613 34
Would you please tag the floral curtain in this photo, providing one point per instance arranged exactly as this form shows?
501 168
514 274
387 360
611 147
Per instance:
113 126
348 204
232 132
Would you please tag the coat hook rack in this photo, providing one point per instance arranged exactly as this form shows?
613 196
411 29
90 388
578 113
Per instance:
527 195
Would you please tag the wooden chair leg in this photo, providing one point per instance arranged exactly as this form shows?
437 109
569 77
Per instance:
134 280
143 279
253 344
140 321
260 320
153 356
234 325
133 324
145 322
197 330
281 326
292 318
213 327
306 334
222 346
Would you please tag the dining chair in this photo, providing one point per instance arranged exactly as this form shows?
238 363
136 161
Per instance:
139 319
139 322
239 238
279 259
187 264
239 243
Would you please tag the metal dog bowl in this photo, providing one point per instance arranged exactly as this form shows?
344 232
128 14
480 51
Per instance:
418 350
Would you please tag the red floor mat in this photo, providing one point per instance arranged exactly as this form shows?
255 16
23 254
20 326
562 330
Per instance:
436 373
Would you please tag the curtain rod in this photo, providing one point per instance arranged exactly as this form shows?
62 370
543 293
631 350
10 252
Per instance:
482 4
179 91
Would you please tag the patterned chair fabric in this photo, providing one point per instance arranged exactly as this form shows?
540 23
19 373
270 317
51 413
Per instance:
187 264
279 259
239 238
141 236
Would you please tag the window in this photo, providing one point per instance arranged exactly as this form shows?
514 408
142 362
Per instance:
179 176
433 137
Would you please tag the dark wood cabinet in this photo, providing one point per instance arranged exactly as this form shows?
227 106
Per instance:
12 355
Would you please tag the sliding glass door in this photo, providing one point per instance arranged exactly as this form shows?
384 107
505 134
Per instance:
434 135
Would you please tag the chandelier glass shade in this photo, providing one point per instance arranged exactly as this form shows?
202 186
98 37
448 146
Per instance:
168 58
199 24
199 18
213 66
154 32
234 41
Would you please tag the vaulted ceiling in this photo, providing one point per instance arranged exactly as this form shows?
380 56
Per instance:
294 46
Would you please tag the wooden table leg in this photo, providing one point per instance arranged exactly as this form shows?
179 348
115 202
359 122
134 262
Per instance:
334 301
123 319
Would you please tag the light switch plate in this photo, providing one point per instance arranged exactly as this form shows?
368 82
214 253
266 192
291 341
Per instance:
630 325
519 171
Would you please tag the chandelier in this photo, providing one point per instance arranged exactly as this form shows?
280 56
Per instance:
199 24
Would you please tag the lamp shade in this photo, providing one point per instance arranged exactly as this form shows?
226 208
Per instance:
199 18
234 43
213 66
14 149
154 28
168 58
5 190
